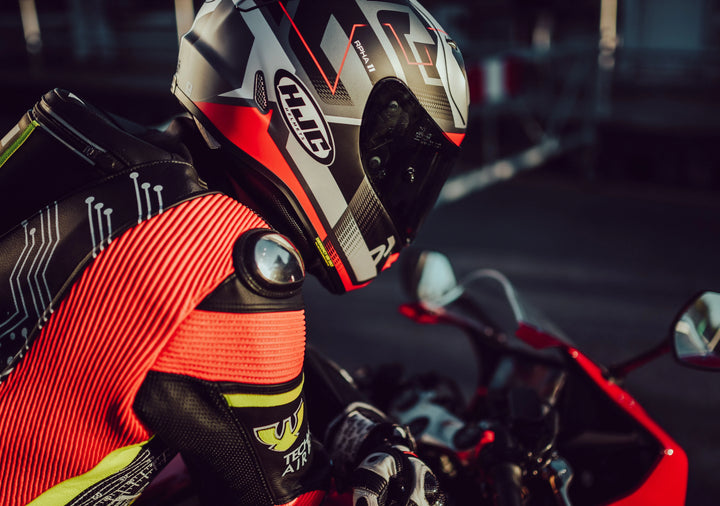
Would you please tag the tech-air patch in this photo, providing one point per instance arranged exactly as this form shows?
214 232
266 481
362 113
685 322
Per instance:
275 416
280 436
268 263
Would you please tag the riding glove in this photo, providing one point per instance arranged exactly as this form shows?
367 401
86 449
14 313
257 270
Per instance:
376 458
395 475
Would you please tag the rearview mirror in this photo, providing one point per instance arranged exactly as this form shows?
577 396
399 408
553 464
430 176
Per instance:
696 334
427 275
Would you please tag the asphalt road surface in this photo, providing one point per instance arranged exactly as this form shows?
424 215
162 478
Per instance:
610 264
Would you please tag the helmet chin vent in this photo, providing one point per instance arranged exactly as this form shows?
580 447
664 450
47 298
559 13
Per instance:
261 97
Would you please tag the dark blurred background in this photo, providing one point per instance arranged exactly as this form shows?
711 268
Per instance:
590 173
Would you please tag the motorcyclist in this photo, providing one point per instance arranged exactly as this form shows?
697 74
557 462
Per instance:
152 280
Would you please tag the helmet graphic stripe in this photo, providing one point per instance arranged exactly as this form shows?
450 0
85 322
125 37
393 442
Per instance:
333 87
348 285
428 63
354 246
233 120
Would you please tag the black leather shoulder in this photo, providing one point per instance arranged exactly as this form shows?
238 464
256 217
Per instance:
64 145
268 276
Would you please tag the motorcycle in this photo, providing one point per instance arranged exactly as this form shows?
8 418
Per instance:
545 424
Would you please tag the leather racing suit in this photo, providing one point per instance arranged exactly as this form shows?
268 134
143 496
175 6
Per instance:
143 313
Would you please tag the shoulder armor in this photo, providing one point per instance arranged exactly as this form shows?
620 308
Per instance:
110 143
268 263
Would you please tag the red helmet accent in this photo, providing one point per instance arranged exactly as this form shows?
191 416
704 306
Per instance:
247 128
456 139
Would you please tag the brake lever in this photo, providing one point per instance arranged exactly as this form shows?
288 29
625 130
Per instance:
559 475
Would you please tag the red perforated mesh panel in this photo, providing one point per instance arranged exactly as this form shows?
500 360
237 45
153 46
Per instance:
69 402
244 348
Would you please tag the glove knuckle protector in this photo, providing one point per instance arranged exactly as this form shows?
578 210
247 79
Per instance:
377 457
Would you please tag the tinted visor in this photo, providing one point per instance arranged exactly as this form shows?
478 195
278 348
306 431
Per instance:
404 153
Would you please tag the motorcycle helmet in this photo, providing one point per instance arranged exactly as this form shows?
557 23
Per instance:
347 116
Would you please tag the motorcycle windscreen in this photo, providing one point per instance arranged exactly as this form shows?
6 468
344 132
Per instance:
405 154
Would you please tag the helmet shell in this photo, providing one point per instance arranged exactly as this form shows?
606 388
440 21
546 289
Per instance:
285 85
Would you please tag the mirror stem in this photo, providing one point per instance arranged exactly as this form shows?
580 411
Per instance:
619 371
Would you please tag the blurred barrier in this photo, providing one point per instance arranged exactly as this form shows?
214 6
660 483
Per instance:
31 26
472 181
495 79
184 15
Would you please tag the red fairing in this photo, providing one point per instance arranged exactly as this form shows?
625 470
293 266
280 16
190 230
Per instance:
667 483
537 338
712 361
417 313
335 498
314 498
473 453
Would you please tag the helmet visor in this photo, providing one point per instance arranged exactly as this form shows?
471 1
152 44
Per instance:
405 154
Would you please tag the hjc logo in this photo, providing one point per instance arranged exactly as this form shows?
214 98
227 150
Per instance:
304 118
